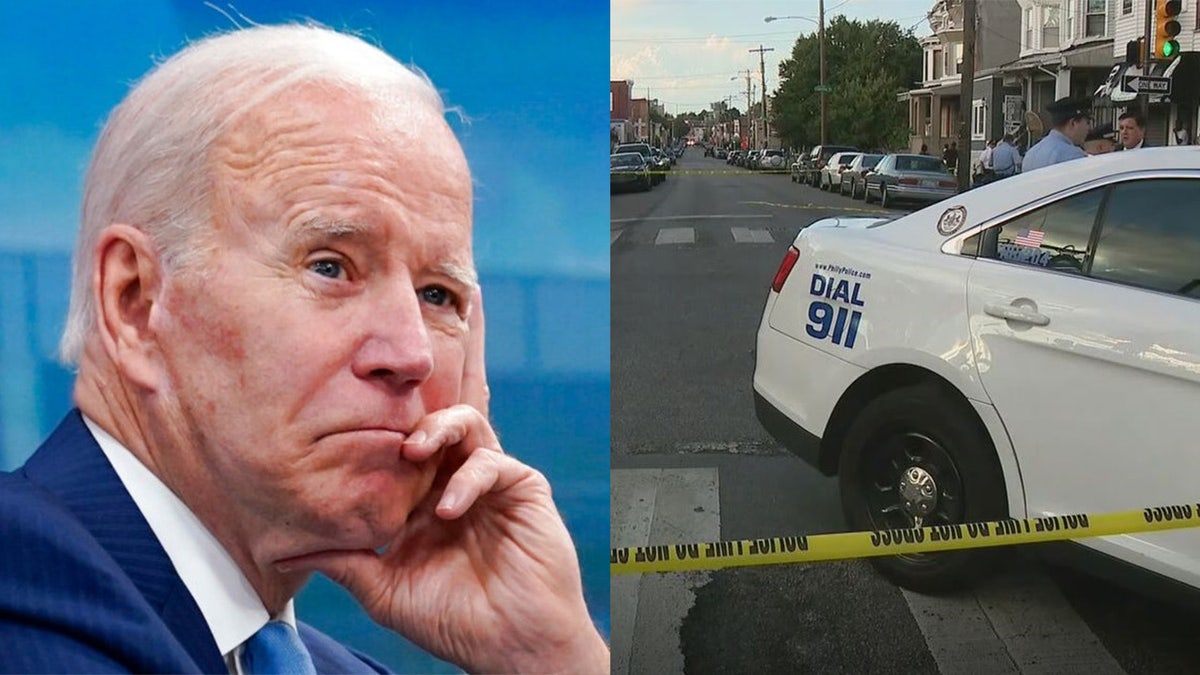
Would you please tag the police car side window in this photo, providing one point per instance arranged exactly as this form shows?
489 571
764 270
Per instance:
1141 245
1054 236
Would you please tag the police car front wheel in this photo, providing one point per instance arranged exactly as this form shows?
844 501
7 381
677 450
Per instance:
918 456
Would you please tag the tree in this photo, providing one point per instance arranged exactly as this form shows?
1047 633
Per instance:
867 65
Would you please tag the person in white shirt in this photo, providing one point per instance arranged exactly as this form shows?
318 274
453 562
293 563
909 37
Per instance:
279 339
984 173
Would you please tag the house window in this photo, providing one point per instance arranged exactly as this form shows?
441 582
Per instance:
1127 6
978 119
937 64
1029 28
1097 19
1050 27
1070 21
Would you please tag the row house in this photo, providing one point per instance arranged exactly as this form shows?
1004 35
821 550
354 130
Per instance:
935 107
1032 52
1166 113
1066 49
620 110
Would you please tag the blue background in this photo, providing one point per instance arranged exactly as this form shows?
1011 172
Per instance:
530 78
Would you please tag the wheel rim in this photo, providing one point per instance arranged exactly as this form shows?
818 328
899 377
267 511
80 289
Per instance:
911 479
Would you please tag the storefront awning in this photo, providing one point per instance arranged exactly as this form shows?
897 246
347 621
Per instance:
1092 55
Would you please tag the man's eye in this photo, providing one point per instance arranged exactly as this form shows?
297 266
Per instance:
437 296
327 268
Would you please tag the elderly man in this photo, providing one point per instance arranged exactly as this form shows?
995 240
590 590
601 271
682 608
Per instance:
1072 120
279 341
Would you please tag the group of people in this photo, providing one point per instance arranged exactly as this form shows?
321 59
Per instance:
1072 136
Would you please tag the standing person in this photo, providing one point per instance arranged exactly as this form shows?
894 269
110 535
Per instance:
1072 121
1005 158
984 174
951 156
924 149
1132 127
278 334
1181 133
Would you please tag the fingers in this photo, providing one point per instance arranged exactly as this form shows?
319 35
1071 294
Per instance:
457 425
474 390
487 471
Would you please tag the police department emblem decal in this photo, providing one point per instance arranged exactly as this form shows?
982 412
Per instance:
952 220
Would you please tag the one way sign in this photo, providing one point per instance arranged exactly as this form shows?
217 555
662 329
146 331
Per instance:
1145 84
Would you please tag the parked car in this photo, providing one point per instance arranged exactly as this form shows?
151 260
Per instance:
771 159
831 173
629 171
810 164
852 179
904 177
662 162
1028 348
647 153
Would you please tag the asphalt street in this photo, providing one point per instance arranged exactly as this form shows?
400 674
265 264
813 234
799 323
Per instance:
691 264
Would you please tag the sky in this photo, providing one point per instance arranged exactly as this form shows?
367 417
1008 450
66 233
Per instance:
689 53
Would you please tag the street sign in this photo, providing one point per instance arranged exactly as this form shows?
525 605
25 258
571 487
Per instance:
823 88
1145 84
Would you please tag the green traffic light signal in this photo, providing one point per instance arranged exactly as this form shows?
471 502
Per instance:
1170 48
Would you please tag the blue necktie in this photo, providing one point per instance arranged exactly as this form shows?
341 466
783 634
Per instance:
276 649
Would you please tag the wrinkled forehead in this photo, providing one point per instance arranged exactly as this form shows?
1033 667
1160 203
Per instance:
316 134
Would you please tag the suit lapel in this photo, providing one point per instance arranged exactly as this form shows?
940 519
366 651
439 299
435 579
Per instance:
71 465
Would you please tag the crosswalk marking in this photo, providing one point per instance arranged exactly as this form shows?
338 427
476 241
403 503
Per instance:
676 235
1013 624
745 235
657 506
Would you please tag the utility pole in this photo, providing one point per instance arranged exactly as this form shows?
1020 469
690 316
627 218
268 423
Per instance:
967 87
762 69
1148 59
821 40
749 96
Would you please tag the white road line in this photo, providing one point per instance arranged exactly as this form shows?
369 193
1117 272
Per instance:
1013 624
615 221
657 506
745 235
676 235
615 235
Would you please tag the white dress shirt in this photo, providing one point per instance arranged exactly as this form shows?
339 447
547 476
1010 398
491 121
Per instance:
225 597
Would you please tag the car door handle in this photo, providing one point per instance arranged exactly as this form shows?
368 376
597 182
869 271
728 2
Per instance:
1016 313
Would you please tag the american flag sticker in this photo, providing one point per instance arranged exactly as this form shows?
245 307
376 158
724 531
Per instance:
1031 238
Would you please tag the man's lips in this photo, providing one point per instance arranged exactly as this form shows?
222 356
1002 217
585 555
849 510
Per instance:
397 436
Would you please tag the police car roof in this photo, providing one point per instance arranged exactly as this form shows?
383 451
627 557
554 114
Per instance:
919 229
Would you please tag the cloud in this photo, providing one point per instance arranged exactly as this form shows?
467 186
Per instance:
717 44
637 63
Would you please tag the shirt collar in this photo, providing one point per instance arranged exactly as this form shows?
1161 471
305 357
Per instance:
231 608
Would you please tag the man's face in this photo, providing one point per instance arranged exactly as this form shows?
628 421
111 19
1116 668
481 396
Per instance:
1078 129
1131 133
330 320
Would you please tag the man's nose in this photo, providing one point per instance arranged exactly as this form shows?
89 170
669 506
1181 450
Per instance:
397 346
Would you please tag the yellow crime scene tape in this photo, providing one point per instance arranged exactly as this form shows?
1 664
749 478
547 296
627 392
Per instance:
853 545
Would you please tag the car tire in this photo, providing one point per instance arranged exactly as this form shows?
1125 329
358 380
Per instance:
927 428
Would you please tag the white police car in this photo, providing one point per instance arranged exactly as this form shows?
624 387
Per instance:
1028 348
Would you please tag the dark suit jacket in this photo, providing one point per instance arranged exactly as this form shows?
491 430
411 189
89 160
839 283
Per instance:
85 587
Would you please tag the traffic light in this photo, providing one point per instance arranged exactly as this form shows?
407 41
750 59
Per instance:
1166 27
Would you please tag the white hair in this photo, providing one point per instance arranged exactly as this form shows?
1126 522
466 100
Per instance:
151 167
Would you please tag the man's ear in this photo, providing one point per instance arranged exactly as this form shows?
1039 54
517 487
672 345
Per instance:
127 283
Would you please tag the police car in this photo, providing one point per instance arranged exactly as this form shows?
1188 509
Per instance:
1028 348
